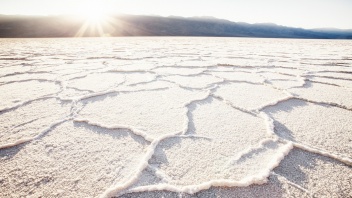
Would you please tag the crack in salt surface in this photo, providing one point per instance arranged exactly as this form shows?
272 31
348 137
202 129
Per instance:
137 132
233 106
293 184
41 134
340 158
324 103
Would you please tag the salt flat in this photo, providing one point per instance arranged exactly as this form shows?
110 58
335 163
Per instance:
175 117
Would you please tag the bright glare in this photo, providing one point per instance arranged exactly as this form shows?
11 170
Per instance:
93 11
95 14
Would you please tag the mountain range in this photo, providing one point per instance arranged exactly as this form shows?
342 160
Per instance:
16 26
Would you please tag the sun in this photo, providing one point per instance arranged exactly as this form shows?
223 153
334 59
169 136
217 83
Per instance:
93 11
96 18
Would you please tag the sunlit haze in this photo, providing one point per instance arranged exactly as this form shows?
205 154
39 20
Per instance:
295 13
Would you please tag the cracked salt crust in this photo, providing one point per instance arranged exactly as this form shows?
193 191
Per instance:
337 82
178 71
19 92
154 113
249 96
190 117
93 156
239 76
198 81
27 121
325 93
102 81
297 121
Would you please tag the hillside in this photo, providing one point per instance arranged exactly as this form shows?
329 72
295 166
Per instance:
136 25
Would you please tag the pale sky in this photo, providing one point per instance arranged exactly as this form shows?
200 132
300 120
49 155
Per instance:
294 13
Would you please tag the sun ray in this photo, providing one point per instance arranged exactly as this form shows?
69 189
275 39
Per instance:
96 19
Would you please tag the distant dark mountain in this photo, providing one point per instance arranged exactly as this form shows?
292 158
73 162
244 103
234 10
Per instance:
332 30
343 33
134 25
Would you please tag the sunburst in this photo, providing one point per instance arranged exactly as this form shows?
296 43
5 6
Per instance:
96 18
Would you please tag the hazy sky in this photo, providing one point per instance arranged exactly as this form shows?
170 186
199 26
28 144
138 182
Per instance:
296 13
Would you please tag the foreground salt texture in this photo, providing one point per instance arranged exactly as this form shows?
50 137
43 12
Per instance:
171 117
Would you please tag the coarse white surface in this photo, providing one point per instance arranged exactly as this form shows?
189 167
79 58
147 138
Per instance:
250 96
319 126
326 93
175 117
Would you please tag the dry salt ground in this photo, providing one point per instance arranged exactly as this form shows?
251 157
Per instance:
175 117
